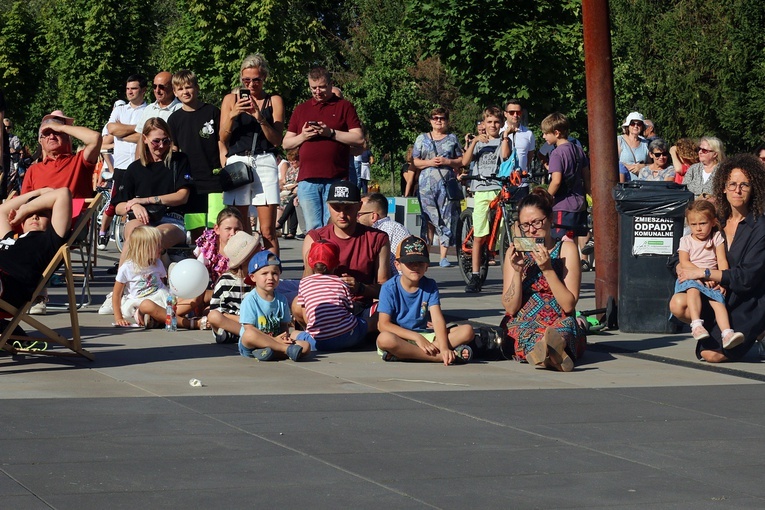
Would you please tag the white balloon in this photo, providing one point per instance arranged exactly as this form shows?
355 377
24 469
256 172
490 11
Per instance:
188 279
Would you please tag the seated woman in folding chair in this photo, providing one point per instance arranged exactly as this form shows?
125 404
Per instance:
43 218
156 186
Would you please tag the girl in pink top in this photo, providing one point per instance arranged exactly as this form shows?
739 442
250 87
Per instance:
704 249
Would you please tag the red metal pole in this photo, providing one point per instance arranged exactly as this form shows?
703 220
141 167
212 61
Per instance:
603 157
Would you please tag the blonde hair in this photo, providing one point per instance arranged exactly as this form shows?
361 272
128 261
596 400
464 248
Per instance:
255 61
143 149
144 246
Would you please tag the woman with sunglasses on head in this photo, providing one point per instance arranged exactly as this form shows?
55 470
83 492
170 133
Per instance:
632 147
739 195
252 127
155 186
540 289
660 169
438 156
699 177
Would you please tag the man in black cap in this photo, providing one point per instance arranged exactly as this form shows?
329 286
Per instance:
364 251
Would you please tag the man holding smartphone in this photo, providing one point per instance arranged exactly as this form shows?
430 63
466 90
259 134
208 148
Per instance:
324 128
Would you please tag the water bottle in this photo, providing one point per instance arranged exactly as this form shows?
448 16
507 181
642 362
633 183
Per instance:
171 322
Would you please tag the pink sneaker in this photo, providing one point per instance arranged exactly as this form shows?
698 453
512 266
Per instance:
732 339
700 333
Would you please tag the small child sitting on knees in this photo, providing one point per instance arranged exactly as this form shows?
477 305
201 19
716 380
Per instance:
265 314
408 301
230 289
327 303
704 248
139 291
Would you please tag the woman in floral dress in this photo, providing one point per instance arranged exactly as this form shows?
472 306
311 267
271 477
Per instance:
541 289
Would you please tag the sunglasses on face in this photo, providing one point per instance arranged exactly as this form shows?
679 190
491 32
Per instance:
636 123
660 154
438 118
247 81
160 142
704 151
514 112
156 86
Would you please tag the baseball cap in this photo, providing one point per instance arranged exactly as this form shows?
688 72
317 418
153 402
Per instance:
241 247
259 261
58 115
633 116
412 249
324 252
343 192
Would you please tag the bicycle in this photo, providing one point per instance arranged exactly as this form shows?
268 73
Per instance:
503 213
117 228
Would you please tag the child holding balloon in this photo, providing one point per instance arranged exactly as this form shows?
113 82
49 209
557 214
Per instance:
139 290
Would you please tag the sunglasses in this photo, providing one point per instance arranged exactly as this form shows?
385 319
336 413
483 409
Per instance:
514 112
636 123
160 142
247 81
438 118
156 86
704 151
660 154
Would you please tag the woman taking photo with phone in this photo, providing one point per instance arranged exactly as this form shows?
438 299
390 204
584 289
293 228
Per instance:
540 289
252 124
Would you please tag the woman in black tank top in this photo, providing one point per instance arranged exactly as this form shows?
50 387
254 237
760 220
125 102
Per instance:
252 126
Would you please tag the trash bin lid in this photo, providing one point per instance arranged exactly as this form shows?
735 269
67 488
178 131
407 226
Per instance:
652 198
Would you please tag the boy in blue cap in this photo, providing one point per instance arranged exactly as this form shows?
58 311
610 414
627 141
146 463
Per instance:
265 314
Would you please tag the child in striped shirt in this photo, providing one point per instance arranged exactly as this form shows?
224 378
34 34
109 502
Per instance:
231 287
327 303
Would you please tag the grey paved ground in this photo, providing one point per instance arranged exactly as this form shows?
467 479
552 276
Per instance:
639 424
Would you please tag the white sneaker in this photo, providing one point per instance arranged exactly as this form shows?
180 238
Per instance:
39 308
106 308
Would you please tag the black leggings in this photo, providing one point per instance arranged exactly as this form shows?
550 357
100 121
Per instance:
289 216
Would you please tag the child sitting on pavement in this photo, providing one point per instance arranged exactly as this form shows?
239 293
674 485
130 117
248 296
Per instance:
265 314
410 300
327 303
230 289
139 291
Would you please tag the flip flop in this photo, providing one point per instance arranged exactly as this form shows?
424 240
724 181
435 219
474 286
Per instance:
31 345
386 356
461 357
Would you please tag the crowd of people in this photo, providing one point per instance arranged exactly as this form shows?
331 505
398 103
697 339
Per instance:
364 273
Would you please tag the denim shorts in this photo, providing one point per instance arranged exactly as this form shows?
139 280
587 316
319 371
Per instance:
339 343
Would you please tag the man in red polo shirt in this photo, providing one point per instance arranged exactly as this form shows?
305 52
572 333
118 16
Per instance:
324 128
60 168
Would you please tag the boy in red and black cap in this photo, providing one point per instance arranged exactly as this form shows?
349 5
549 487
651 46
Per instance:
410 300
327 303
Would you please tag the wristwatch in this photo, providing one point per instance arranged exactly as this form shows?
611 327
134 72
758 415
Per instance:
707 273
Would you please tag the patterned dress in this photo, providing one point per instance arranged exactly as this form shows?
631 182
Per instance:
436 207
540 310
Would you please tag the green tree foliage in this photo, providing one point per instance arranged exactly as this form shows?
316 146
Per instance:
695 67
497 50
211 37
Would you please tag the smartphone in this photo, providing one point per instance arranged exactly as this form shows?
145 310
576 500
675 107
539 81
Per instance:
314 123
244 93
526 244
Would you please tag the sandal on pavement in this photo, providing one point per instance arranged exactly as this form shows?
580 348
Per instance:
386 356
538 354
463 353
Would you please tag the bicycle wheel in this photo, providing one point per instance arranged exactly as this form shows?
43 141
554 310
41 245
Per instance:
118 231
465 248
104 205
506 236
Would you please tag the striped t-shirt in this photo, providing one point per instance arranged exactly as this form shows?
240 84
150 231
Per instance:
228 294
327 302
